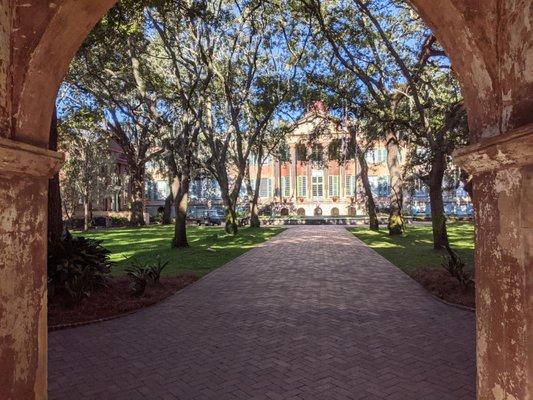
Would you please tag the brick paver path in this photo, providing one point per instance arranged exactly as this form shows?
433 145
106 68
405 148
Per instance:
312 314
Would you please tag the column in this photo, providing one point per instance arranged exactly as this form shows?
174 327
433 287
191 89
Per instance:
24 174
503 201
294 172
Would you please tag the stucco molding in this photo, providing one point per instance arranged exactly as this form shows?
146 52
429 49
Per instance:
25 159
512 149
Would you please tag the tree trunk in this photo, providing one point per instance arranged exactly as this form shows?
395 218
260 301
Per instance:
467 181
137 197
55 215
231 225
396 221
231 219
180 228
438 218
167 212
86 214
254 212
371 205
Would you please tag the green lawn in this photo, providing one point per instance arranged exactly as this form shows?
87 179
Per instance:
209 248
415 248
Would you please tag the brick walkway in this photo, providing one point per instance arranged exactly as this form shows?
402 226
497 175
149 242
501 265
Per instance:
312 314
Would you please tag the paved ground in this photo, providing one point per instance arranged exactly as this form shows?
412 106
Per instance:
312 314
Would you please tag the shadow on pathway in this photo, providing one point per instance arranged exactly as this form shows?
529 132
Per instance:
311 314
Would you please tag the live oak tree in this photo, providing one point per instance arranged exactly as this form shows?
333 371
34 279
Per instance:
353 43
326 79
395 58
89 167
182 39
271 146
252 70
111 75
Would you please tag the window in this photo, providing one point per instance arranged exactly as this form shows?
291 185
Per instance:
317 153
334 189
301 152
265 187
318 186
350 185
302 186
157 191
376 156
253 159
285 186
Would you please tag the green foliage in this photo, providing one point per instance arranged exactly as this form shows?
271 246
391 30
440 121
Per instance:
414 249
138 274
396 225
154 270
77 266
142 272
145 244
457 268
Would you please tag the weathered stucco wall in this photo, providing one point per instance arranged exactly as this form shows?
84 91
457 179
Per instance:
46 35
503 188
24 173
490 45
5 60
22 288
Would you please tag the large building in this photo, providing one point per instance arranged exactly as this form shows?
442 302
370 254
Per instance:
317 179
314 179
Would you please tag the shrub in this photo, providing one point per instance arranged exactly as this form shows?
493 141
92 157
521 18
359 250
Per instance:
119 221
154 271
138 274
457 268
77 266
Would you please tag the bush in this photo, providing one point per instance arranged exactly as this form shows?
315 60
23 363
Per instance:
140 273
457 268
77 266
154 271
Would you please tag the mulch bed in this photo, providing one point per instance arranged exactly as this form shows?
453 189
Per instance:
114 300
444 286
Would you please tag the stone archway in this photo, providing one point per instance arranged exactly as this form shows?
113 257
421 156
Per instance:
490 45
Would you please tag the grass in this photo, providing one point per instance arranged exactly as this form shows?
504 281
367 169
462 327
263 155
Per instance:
209 248
414 249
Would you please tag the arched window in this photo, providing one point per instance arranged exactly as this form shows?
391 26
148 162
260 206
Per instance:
318 212
334 150
334 212
317 153
301 212
301 152
284 211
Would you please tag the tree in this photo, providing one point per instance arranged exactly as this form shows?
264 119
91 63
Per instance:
182 37
89 167
394 76
252 76
270 146
111 75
